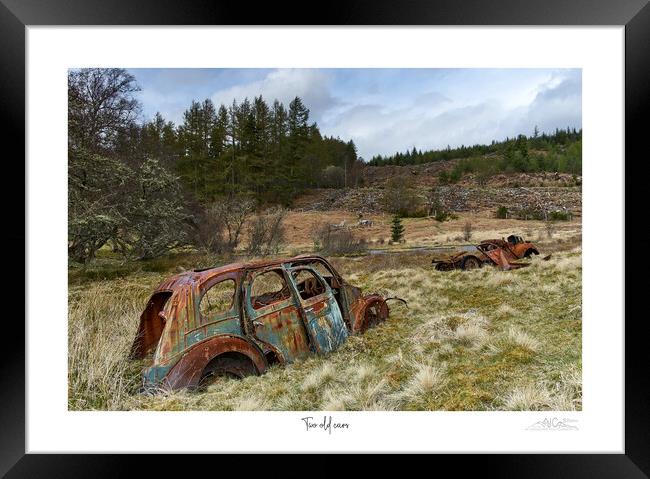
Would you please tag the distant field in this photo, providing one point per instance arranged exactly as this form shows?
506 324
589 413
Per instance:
428 232
478 340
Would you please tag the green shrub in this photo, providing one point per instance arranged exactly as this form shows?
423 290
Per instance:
530 214
443 215
455 175
414 213
559 216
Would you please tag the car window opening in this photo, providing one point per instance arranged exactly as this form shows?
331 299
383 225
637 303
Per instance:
308 284
268 288
325 273
218 299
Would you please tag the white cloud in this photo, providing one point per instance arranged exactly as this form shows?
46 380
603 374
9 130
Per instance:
313 86
557 105
377 130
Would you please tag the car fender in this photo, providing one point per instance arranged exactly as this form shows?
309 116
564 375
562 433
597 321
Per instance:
186 373
359 308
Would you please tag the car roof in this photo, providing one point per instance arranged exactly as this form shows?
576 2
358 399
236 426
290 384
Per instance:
199 276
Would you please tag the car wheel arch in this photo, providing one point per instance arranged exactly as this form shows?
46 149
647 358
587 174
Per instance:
361 306
470 257
186 373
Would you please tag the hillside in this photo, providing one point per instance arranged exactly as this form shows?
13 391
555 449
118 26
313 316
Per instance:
428 175
516 191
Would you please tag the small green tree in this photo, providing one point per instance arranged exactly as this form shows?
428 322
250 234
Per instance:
397 229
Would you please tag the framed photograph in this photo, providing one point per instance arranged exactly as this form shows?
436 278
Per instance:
401 230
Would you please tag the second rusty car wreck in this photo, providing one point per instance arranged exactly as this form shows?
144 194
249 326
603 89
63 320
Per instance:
237 320
505 254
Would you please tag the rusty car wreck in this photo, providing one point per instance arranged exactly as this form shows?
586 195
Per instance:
237 320
505 254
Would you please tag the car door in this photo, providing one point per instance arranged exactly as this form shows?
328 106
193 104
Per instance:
321 311
274 315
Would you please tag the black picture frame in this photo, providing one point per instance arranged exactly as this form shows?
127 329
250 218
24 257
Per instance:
15 15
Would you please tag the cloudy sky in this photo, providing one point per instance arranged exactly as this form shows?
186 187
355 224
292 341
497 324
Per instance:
387 110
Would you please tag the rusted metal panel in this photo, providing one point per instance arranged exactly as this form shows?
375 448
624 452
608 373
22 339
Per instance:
283 329
325 323
152 323
222 326
368 311
171 341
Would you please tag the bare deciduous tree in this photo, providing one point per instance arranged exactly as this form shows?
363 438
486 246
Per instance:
233 211
468 229
101 103
332 240
266 233
550 229
432 200
218 226
333 177
209 231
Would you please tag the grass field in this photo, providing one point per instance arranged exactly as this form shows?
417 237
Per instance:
478 340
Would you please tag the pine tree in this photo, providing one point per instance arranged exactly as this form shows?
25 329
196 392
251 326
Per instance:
219 136
232 133
298 139
195 133
397 229
261 174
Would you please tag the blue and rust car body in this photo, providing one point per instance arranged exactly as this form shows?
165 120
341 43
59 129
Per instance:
255 330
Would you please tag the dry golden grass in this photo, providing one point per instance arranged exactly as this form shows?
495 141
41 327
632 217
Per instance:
522 339
319 377
505 310
530 397
478 340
